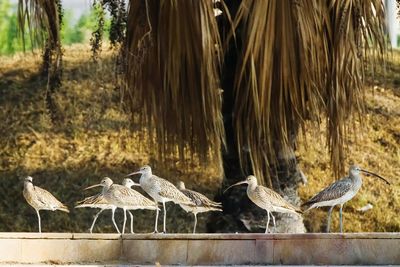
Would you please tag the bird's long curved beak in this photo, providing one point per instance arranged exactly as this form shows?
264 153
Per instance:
135 184
133 173
238 183
92 186
376 175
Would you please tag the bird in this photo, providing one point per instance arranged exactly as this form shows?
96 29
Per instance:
96 202
339 193
202 203
125 198
139 201
99 202
41 199
106 183
161 191
267 199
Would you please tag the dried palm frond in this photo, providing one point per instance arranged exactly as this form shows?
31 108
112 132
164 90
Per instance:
173 55
300 59
43 19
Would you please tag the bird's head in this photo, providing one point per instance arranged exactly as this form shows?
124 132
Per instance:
106 182
129 183
28 179
181 185
355 171
146 169
251 180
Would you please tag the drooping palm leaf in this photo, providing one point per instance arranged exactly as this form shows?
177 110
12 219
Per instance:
300 59
173 54
43 19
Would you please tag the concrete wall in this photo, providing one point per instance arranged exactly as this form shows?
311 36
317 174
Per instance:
203 249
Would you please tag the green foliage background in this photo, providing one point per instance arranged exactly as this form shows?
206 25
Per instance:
72 32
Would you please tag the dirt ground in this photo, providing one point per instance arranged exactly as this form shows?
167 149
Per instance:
95 138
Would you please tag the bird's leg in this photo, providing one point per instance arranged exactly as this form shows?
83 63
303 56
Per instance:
195 223
155 225
94 220
341 218
113 219
40 226
130 214
266 228
273 220
124 224
165 218
329 219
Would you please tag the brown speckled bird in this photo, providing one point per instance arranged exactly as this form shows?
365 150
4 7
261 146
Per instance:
124 197
95 202
41 199
339 193
161 191
267 199
201 203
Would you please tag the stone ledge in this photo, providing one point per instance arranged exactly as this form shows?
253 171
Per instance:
217 236
201 249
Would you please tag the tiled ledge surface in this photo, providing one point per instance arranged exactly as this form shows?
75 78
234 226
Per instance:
201 249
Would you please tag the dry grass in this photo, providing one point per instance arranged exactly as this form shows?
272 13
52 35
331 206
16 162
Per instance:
374 145
96 139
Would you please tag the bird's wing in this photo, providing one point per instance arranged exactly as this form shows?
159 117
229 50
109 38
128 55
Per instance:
132 196
47 199
93 200
333 191
275 199
124 191
168 190
199 199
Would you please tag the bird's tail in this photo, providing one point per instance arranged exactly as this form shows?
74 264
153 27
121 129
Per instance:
63 208
293 208
216 205
216 209
306 206
298 210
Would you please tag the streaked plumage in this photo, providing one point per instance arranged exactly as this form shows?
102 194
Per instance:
122 196
267 199
200 201
339 193
161 191
106 183
96 202
136 200
41 199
